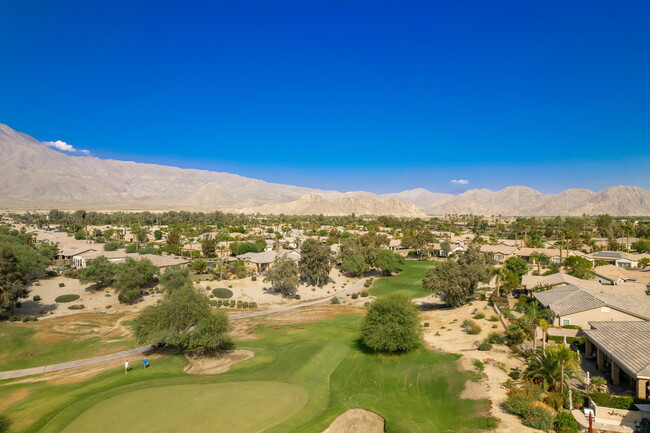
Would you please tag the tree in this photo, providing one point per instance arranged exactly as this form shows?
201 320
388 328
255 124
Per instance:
315 263
391 325
183 319
157 235
173 237
173 279
355 265
457 281
641 246
239 248
538 258
578 267
208 246
505 279
552 366
200 266
131 277
284 276
517 265
99 271
389 262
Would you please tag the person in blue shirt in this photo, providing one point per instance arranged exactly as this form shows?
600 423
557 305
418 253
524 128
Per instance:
145 363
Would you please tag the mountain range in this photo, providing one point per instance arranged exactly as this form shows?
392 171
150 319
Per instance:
34 176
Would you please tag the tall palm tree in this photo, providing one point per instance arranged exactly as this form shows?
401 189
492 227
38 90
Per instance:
539 257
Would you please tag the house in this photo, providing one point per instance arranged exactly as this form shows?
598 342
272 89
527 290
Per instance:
555 255
64 256
499 252
617 258
262 262
395 244
575 305
621 348
161 262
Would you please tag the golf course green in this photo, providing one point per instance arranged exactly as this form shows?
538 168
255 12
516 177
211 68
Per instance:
235 407
301 378
407 282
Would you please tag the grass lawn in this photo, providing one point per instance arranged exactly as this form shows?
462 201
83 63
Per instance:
25 345
300 379
408 282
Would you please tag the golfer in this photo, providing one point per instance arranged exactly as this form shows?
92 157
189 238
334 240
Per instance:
126 367
145 363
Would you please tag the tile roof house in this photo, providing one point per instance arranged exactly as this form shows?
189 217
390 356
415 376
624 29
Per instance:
623 349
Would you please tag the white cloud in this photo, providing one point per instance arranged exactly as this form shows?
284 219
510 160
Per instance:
62 145
459 181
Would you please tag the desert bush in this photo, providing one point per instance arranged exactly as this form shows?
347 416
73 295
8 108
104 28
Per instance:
494 318
129 296
66 298
61 284
335 300
355 296
245 304
253 278
426 324
479 365
495 338
484 346
364 294
555 400
514 375
76 307
540 416
36 298
566 423
367 283
471 327
232 304
222 293
296 297
480 315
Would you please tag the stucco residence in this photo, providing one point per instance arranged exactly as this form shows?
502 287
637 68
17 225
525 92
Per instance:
575 305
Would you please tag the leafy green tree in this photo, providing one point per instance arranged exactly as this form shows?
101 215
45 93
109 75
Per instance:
284 276
99 271
183 319
157 235
456 281
641 246
355 265
199 266
389 262
315 263
208 246
239 248
505 279
173 237
578 267
539 257
517 265
131 277
391 325
173 279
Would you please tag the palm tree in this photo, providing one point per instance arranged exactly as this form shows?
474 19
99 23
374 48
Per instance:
597 383
553 366
539 257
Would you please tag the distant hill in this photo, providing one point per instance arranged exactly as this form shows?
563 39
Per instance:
34 176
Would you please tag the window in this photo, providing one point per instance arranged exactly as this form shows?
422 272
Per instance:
556 260
604 309
566 322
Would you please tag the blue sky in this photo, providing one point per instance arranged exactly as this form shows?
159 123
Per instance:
347 95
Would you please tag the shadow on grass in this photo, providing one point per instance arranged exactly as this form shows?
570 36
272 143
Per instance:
359 345
4 424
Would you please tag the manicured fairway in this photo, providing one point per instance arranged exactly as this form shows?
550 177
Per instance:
301 378
408 282
234 407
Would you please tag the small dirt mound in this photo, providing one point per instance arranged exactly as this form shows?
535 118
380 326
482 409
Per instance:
357 421
215 362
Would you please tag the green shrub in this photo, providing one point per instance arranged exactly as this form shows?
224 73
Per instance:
245 304
355 296
367 283
66 298
566 423
479 365
335 300
253 278
36 298
494 318
514 375
507 314
61 284
426 324
76 307
232 304
480 315
485 346
617 402
495 338
296 297
222 293
252 305
129 296
540 417
364 294
555 400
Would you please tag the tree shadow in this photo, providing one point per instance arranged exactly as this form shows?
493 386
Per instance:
4 424
359 345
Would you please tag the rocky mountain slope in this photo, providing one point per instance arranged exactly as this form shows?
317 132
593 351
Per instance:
37 177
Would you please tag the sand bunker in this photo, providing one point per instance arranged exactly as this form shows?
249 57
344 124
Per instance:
357 421
215 363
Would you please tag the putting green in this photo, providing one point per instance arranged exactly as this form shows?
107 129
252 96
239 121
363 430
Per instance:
239 407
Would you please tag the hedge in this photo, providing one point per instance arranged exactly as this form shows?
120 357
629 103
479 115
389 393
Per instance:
617 402
222 293
66 298
76 307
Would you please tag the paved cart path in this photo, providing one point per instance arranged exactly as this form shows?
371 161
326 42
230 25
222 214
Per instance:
356 287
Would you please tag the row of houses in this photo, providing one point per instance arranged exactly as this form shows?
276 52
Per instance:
616 326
